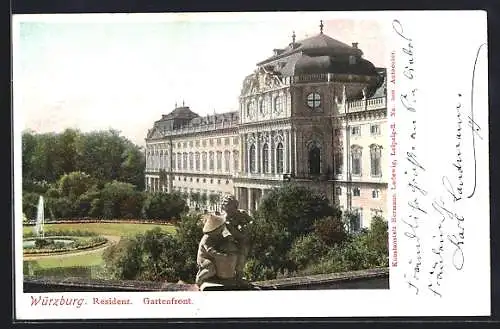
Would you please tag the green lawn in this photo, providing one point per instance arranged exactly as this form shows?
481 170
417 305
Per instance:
84 259
116 229
91 258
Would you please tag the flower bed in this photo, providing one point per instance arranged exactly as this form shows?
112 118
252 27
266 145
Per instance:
90 220
79 244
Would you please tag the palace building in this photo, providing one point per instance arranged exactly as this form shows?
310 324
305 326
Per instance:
313 113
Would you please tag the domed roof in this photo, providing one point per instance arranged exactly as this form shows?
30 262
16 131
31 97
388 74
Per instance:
328 64
327 44
320 44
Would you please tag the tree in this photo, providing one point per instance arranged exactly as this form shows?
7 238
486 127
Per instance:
118 200
285 214
203 199
195 198
214 199
164 206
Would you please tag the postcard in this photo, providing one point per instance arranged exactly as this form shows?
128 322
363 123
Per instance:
244 165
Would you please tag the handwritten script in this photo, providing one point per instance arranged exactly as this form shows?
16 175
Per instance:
443 245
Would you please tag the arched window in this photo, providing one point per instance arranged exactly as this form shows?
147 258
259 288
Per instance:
253 157
219 161
191 161
356 160
356 191
279 158
204 160
211 161
265 158
278 104
197 161
375 156
185 160
314 160
173 162
236 160
227 161
179 161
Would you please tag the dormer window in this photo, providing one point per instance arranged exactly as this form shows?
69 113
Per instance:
352 60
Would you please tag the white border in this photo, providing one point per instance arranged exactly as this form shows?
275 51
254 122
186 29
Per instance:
397 301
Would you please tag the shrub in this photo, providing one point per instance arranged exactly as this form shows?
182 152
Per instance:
331 230
307 249
154 255
164 206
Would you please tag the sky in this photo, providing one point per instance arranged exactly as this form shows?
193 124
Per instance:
94 72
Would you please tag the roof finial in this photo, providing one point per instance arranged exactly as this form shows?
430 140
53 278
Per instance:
293 37
321 26
175 104
182 103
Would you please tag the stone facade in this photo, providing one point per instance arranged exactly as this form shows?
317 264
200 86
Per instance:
314 113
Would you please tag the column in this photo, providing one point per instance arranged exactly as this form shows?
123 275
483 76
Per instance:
242 153
270 163
247 154
294 163
289 147
286 153
250 200
258 157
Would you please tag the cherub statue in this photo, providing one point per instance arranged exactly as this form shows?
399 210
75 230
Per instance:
217 251
237 224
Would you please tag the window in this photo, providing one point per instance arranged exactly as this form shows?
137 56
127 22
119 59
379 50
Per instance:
356 191
356 131
191 161
356 160
185 144
211 161
375 129
179 145
339 163
204 161
219 161
279 158
313 100
226 141
375 194
278 104
179 161
173 162
191 144
197 161
265 158
197 143
355 220
264 106
338 191
227 161
253 157
375 156
236 160
337 132
250 109
235 140
184 160
204 142
219 141
211 141
314 160
352 60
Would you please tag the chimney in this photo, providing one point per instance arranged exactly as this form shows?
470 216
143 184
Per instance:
355 45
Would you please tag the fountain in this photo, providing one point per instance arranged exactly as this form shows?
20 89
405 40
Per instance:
40 219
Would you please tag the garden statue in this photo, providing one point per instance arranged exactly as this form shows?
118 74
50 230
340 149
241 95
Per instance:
223 249
216 251
237 224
